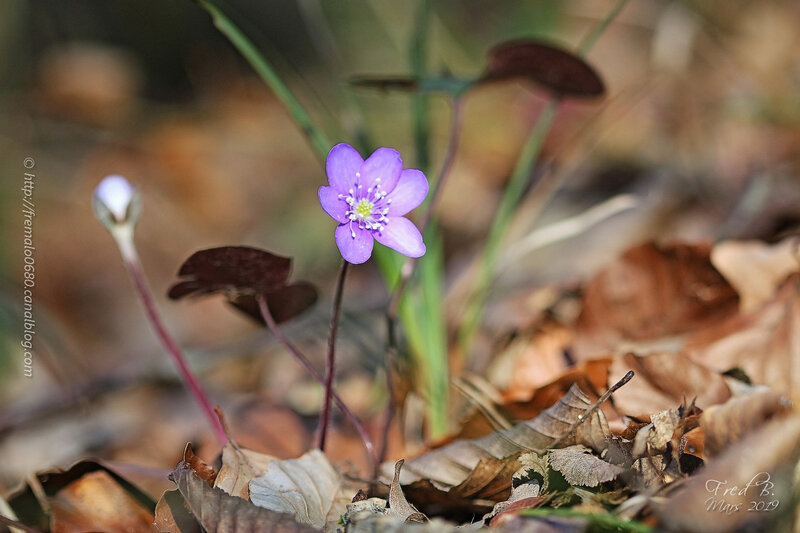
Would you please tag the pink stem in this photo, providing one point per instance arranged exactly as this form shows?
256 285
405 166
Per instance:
273 327
143 289
329 362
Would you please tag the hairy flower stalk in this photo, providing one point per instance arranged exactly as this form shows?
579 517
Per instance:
368 198
275 329
116 204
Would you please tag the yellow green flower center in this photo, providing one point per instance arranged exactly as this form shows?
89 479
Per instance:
363 208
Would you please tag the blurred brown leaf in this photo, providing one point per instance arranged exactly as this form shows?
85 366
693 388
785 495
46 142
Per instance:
730 422
755 269
755 473
664 380
97 502
650 293
764 343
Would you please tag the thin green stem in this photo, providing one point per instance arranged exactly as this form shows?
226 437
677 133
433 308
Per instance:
521 175
133 265
330 360
294 350
316 137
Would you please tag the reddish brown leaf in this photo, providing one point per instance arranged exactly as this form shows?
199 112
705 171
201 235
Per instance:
652 292
728 423
556 69
663 381
284 303
96 502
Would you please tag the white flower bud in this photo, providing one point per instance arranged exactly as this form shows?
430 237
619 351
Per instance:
116 201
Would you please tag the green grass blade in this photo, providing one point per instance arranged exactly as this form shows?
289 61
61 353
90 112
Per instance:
317 138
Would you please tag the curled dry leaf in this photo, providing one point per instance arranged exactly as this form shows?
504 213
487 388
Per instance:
755 269
756 473
728 423
242 273
28 501
650 294
482 468
96 502
398 505
765 344
558 70
663 381
308 488
580 467
217 511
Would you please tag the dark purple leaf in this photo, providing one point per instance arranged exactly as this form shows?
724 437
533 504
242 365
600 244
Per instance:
284 304
406 83
231 268
556 69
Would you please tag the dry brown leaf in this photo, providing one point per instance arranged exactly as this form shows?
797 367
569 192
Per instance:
580 467
239 467
728 423
482 468
748 487
398 505
200 468
218 511
764 344
652 292
663 381
308 488
96 502
172 515
590 376
755 269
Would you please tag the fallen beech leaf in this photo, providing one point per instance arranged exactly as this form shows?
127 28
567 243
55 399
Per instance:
241 273
97 502
482 468
204 471
308 488
664 380
519 405
556 69
651 293
172 515
218 511
728 423
755 473
755 269
580 467
239 467
765 344
29 508
398 505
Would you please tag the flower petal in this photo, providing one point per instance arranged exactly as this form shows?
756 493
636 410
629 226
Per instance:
356 249
402 235
342 165
384 164
411 190
332 204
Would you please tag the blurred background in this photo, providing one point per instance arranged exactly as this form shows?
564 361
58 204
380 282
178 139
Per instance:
699 123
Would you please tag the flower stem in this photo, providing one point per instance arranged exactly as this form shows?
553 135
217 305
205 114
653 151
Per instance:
132 263
273 327
329 362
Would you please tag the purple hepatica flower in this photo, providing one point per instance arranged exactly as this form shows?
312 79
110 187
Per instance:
369 198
